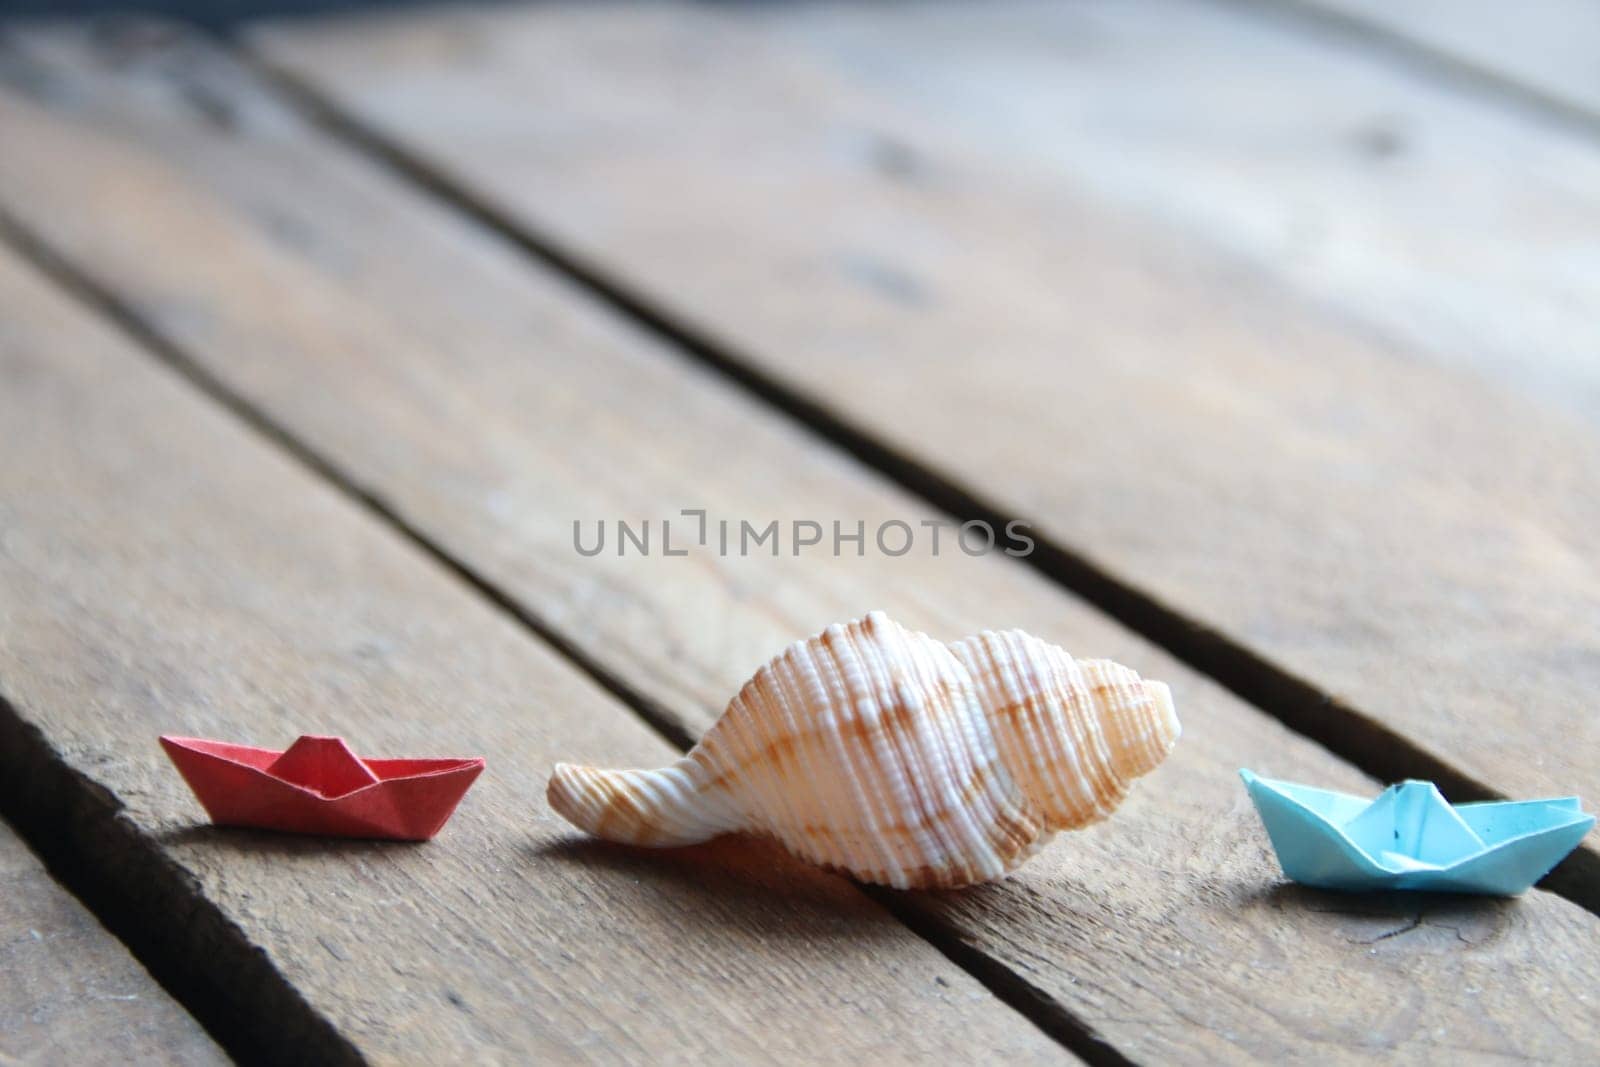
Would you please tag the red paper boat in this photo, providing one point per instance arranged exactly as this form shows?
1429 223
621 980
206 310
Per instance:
318 786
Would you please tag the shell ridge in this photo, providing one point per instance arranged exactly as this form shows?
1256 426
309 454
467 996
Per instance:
983 792
1077 750
1082 742
962 771
1075 747
921 754
992 786
803 806
759 790
1061 727
948 775
932 764
1042 708
819 808
1004 656
852 682
842 791
1100 697
741 724
624 806
677 811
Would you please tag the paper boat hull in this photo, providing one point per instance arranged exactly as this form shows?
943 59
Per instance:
407 800
1410 838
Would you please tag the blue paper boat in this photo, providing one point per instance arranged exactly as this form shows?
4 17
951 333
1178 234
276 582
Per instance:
1412 838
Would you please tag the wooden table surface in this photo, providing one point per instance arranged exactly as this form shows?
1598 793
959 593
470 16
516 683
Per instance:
1275 321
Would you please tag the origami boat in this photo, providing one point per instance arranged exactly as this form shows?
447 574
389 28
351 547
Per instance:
318 786
1410 837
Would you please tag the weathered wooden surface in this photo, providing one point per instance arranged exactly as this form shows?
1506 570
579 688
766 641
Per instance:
1398 202
164 571
1175 352
70 989
1454 225
1548 46
488 404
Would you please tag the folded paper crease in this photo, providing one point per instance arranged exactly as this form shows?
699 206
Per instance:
1410 837
318 786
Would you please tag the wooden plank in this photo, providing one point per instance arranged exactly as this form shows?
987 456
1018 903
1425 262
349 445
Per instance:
1548 46
71 989
164 570
435 365
1397 202
1461 230
1398 530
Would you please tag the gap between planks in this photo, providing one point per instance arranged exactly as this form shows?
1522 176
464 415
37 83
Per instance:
1345 731
92 853
152 906
1438 64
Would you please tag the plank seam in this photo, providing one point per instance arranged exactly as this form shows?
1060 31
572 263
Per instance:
109 306
1043 1010
1418 57
1297 703
75 842
156 909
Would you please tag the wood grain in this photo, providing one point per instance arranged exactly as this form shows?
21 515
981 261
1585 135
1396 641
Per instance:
1459 227
1548 46
941 223
71 989
163 570
1399 203
487 403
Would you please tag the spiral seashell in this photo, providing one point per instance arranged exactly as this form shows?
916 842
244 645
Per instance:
900 760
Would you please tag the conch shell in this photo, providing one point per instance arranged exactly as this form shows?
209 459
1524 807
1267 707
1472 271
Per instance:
898 759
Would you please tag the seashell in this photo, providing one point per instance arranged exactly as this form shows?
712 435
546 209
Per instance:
900 760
